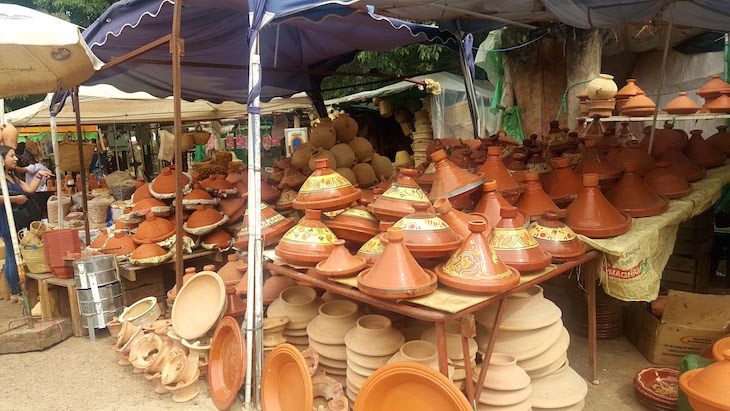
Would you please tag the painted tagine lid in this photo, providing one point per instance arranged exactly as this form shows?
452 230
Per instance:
225 358
397 201
286 199
592 215
475 267
680 164
514 244
494 169
374 247
341 263
492 202
703 153
707 388
142 191
634 197
325 190
273 226
633 151
154 230
163 186
452 182
556 238
594 161
562 184
720 140
308 242
286 383
681 105
534 201
427 236
665 182
356 225
457 220
396 274
233 207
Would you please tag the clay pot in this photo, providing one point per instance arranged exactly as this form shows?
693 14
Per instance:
592 215
417 351
594 161
198 196
299 303
365 175
153 230
703 153
503 374
343 155
356 225
348 174
557 238
273 227
204 220
425 180
681 105
147 254
534 201
274 285
286 383
99 241
340 262
163 186
720 140
494 169
198 349
457 220
363 149
398 200
664 139
141 312
325 190
374 247
557 140
564 388
233 207
274 331
219 240
680 164
601 88
345 127
665 182
300 157
120 244
462 157
427 236
322 153
336 318
629 90
411 281
189 273
633 152
537 163
268 193
142 191
382 166
475 268
491 204
323 136
374 336
308 242
632 196
713 88
562 184
720 105
451 182
638 106
199 305
514 244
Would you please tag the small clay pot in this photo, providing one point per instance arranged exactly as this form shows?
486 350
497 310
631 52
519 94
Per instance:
363 149
365 175
323 136
344 155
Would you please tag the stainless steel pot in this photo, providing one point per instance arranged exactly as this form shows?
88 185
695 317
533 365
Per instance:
95 271
92 320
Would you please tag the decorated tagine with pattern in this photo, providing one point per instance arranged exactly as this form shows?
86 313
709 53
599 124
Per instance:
427 236
556 238
273 226
452 182
286 199
308 242
397 201
356 225
374 247
514 244
325 190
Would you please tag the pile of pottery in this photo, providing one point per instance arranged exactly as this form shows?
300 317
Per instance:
455 352
327 332
657 388
506 386
300 305
609 314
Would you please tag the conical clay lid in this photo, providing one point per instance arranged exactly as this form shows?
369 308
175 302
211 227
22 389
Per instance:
632 196
325 190
340 262
557 238
492 202
514 244
452 182
703 153
562 184
683 166
594 161
534 201
664 181
719 140
592 215
494 169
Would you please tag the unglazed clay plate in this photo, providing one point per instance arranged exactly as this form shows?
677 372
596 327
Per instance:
286 384
227 367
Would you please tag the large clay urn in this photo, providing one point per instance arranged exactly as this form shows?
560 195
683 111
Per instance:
363 149
452 182
556 238
633 152
514 244
534 201
594 161
457 220
592 215
344 155
308 242
475 267
602 87
707 388
666 182
562 184
494 169
634 197
680 164
703 153
397 201
323 136
492 202
356 225
396 274
427 236
720 140
325 190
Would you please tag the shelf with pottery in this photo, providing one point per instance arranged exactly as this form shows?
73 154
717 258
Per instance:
131 271
664 117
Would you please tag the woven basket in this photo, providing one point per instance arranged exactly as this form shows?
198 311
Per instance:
37 228
68 154
34 256
199 137
26 237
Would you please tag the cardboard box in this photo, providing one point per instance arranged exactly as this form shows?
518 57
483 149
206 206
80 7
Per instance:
690 323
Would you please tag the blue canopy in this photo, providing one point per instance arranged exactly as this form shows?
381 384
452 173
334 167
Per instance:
299 40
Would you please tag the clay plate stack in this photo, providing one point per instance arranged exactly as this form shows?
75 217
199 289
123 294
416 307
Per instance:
657 388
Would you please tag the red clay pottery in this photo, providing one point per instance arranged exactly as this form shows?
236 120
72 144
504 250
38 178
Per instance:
606 141
703 153
720 140
236 306
475 267
665 182
325 190
154 205
308 242
494 169
638 106
425 180
340 262
680 164
199 305
163 186
154 230
681 105
632 196
534 201
563 184
374 247
198 196
713 88
292 177
356 225
285 200
462 157
633 152
452 182
595 130
269 194
664 139
537 163
230 272
233 207
514 244
457 220
286 383
397 202
120 244
657 387
142 191
556 238
720 105
557 140
624 134
594 161
427 236
707 388
629 90
592 215
273 287
204 220
396 274
273 226
718 348
517 163
491 204
227 355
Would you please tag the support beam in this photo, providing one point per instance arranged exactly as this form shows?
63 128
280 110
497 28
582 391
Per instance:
80 134
176 48
115 61
584 55
481 16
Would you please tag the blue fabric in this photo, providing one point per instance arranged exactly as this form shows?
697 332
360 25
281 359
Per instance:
11 269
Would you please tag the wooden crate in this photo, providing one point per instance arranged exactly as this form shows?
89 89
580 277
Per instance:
692 248
701 221
148 283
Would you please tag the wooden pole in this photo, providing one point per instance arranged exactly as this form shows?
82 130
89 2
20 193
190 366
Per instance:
176 48
661 82
79 131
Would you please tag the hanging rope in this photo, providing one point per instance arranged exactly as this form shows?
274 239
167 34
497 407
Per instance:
563 103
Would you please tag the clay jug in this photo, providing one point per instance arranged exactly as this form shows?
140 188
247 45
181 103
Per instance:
632 196
322 153
323 136
703 153
300 158
344 155
363 149
348 174
602 87
345 127
365 174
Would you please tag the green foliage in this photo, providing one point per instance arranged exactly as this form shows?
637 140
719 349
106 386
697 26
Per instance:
79 12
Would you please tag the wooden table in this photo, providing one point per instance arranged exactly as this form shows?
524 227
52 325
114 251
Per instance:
465 316
131 271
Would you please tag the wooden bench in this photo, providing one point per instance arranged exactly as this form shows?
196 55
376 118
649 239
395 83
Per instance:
37 289
65 304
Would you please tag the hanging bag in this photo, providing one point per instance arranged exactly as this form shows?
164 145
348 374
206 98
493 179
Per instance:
68 153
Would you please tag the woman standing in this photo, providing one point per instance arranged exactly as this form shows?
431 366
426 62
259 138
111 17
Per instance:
16 188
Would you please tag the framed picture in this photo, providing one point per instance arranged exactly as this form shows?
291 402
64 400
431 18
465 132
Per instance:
294 137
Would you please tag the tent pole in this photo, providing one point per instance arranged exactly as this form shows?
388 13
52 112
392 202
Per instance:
79 131
56 160
176 48
661 82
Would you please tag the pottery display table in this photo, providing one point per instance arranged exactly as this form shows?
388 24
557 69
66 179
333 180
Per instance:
445 304
131 271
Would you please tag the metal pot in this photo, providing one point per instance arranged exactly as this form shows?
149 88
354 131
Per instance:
92 320
95 271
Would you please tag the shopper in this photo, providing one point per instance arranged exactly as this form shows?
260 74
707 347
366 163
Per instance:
16 191
31 167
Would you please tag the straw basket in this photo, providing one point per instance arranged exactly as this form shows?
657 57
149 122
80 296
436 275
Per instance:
199 136
68 154
34 255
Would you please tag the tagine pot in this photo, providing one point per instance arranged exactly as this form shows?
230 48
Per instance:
452 182
153 230
475 267
562 184
163 186
720 105
494 169
681 105
425 180
594 161
556 238
707 388
667 183
427 236
514 244
638 106
273 227
340 262
325 190
457 220
491 203
374 247
204 220
534 201
592 215
236 306
308 242
397 201
374 336
702 152
286 198
680 164
356 225
720 140
634 197
634 152
120 244
664 138
219 239
336 318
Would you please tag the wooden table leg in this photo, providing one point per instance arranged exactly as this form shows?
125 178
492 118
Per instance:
490 348
441 348
47 302
467 369
592 339
73 300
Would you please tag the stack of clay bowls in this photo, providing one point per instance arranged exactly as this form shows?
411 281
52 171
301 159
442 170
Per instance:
506 386
327 336
423 134
609 314
300 304
369 346
455 351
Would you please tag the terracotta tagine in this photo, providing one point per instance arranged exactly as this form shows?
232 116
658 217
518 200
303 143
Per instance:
427 236
397 202
562 184
425 180
325 190
594 161
308 242
230 273
163 186
665 182
292 177
340 262
633 151
242 285
629 90
236 306
720 140
204 220
491 203
99 241
664 139
556 238
199 305
537 162
462 157
286 199
374 336
634 197
120 244
703 153
494 169
396 274
452 182
142 191
639 106
198 196
534 201
218 184
273 227
153 230
680 164
356 225
720 105
457 220
153 205
713 88
233 207
374 247
595 130
269 194
592 215
475 267
681 105
624 134
514 244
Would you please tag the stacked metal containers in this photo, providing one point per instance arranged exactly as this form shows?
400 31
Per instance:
99 291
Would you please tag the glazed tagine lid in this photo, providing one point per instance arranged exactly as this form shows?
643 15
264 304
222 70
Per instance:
452 182
475 267
665 182
713 88
142 191
457 220
721 140
340 262
514 244
594 161
534 201
154 230
592 215
494 169
681 105
683 166
396 274
556 238
492 202
427 236
163 186
562 184
356 225
308 242
703 153
325 190
634 197
199 305
633 151
407 385
273 226
286 383
233 207
707 388
286 199
226 357
397 201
